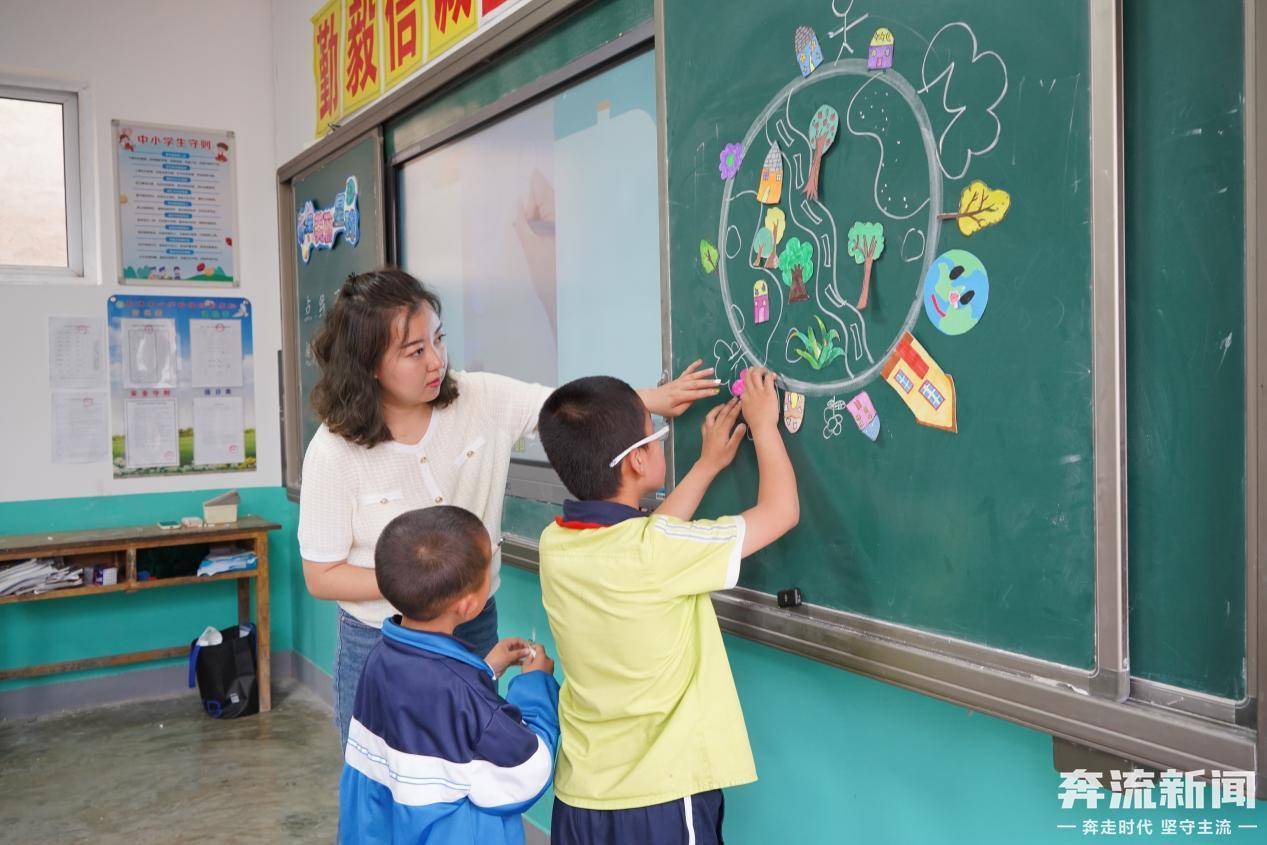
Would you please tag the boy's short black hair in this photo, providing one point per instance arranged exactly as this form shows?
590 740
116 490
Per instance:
428 557
586 423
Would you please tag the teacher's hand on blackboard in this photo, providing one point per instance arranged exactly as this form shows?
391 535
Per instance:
671 399
721 437
760 400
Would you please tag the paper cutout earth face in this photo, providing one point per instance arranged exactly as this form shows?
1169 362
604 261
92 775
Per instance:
956 291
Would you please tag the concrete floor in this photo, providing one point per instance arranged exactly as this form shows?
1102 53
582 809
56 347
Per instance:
161 772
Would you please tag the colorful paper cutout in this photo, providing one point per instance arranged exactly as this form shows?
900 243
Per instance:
822 134
771 187
318 229
809 54
864 415
880 56
762 247
979 207
818 354
775 224
793 411
760 301
797 265
866 244
736 386
731 159
708 256
956 291
925 388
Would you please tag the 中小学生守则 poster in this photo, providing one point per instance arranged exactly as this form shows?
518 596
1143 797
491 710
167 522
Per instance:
176 205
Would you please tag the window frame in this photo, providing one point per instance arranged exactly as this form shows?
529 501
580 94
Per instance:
72 167
529 478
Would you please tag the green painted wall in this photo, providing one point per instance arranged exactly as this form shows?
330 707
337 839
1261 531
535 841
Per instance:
840 757
94 626
843 758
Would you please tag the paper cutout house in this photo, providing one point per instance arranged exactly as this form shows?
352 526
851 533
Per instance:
809 54
880 55
760 301
793 411
925 388
771 187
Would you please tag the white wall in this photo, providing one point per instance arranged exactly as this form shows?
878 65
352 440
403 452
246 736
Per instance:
188 63
294 91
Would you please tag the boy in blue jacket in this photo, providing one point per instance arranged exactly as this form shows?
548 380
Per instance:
434 754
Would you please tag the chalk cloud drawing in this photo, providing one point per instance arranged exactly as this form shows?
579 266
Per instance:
971 79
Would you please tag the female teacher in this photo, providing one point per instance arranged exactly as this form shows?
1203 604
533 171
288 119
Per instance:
400 431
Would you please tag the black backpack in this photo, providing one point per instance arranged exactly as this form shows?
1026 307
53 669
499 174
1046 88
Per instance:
225 673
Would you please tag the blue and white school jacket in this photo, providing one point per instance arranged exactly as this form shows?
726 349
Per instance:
435 755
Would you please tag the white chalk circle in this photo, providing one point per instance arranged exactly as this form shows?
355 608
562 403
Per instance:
899 83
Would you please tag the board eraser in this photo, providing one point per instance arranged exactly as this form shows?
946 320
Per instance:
791 597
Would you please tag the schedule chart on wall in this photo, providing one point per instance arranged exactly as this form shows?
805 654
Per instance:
176 205
182 384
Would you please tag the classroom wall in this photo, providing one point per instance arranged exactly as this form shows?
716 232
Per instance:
123 51
184 63
295 98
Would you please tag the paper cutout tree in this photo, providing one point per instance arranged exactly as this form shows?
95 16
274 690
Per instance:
979 207
762 247
775 224
866 244
822 134
797 263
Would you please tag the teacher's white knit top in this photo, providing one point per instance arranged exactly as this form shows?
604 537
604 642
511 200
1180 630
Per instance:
349 493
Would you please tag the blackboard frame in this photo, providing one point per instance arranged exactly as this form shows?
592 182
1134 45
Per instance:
1255 372
293 446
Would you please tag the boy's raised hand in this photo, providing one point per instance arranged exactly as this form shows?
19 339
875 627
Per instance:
508 652
721 437
760 400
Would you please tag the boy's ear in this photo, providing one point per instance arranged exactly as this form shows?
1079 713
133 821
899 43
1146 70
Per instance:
467 607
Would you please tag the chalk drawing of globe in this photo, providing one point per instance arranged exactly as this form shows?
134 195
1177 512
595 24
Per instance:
882 167
956 290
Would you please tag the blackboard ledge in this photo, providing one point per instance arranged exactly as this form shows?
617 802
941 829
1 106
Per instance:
1062 704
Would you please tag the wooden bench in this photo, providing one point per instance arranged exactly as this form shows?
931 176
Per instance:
118 547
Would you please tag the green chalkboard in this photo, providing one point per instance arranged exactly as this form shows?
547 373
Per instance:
319 278
986 534
1185 331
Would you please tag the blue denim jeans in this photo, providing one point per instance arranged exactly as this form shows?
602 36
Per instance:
352 649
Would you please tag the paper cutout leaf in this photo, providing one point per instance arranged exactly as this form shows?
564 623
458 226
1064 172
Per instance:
980 206
708 256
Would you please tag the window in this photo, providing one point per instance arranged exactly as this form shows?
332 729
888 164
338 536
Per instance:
932 395
540 232
40 224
